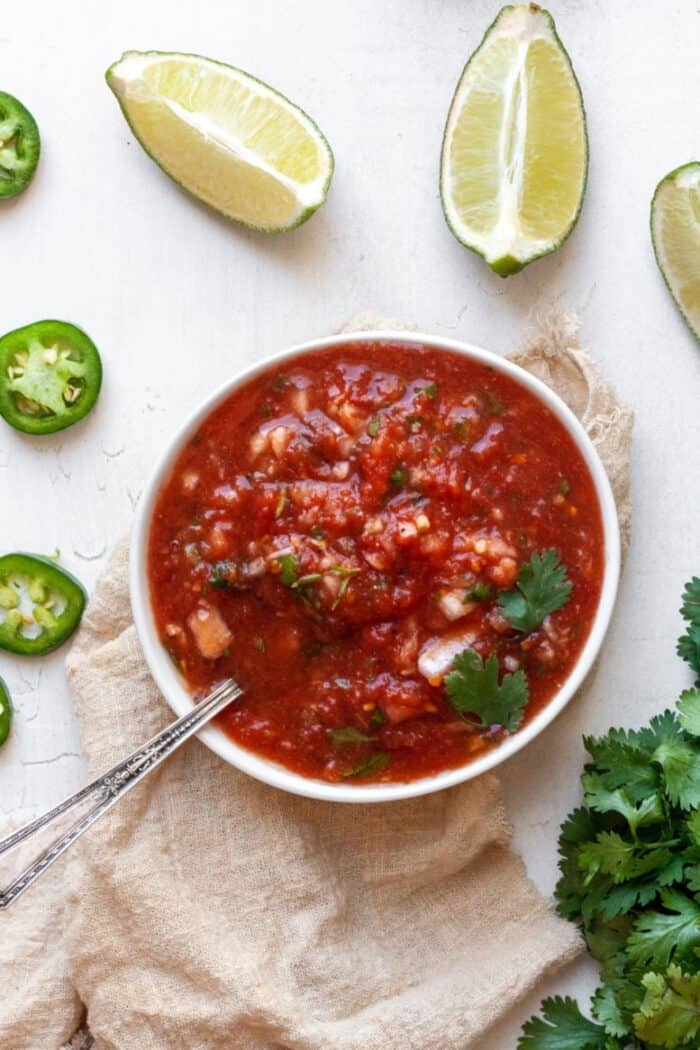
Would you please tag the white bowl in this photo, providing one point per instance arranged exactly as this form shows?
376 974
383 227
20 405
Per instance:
171 684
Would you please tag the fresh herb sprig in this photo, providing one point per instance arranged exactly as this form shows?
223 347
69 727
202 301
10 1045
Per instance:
349 735
630 875
290 576
542 587
689 644
474 689
377 762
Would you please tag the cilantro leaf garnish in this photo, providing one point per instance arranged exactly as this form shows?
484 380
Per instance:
563 1027
374 764
348 735
542 588
473 688
289 569
480 592
495 404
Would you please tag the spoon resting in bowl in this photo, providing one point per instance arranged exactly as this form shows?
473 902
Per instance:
108 789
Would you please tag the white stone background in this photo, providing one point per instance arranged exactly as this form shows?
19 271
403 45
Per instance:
177 299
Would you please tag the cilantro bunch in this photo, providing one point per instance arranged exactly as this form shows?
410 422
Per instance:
630 875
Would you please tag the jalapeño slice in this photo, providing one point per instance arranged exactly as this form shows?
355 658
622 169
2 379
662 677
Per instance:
50 376
40 604
5 713
19 146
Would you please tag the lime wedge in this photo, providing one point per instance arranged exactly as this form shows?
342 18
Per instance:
675 231
515 153
225 137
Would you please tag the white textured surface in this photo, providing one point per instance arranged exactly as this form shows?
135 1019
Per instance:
176 299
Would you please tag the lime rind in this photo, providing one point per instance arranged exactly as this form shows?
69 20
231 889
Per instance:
680 178
307 208
23 157
511 261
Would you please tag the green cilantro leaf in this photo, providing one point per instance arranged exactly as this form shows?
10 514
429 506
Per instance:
598 796
480 592
563 1027
495 404
669 1015
688 649
621 764
692 878
693 825
374 764
473 688
606 941
689 711
289 569
690 609
657 937
348 735
619 901
680 763
542 588
579 827
606 1010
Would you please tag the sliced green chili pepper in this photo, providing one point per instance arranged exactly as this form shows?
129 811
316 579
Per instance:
5 713
40 604
50 376
19 146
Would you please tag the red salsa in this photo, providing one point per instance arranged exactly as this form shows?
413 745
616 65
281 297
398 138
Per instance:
346 524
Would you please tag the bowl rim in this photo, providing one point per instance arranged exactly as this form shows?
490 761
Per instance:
169 681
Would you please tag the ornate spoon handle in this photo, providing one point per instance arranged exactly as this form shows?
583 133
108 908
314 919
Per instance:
109 788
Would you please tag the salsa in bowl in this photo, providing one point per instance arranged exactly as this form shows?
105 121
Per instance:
404 549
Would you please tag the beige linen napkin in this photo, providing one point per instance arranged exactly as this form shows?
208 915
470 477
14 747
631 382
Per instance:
210 911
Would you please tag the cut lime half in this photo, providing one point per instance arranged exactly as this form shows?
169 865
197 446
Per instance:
675 232
225 137
515 153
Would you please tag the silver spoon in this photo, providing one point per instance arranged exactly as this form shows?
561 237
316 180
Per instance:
109 788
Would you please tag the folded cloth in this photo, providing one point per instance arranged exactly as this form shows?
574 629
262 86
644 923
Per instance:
210 911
